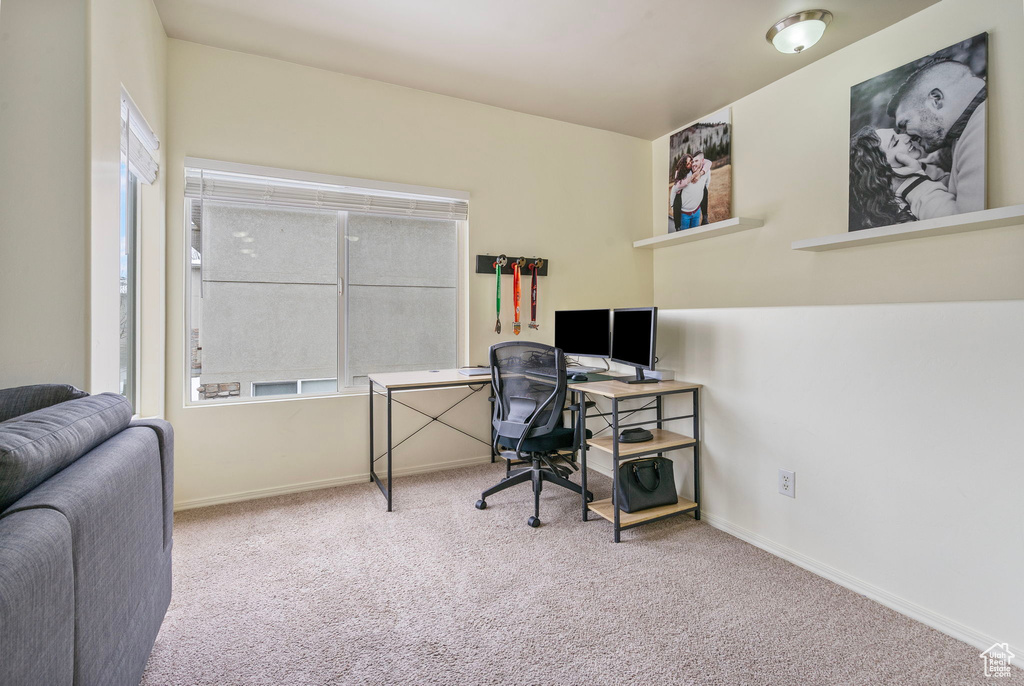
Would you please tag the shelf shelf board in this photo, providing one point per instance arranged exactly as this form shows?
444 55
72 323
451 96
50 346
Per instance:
711 230
605 509
663 440
940 226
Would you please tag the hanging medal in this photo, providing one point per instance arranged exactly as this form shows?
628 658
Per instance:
498 264
534 267
517 293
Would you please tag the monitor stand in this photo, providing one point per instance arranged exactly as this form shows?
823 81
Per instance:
640 378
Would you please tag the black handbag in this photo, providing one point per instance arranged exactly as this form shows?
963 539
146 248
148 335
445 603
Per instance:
646 483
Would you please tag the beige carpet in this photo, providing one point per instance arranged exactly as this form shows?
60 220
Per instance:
327 588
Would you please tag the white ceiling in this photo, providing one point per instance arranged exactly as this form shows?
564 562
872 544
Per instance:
639 67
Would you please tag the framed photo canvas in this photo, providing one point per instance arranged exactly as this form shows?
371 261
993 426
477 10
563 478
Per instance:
700 172
918 138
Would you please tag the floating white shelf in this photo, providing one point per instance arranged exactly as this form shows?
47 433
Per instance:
686 235
940 226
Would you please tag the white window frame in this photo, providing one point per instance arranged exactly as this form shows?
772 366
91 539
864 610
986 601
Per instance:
462 282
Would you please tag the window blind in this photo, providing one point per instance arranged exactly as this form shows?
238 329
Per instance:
138 142
205 184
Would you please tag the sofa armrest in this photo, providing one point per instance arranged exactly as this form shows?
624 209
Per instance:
15 402
165 436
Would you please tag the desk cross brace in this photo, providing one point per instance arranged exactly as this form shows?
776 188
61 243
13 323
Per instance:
435 419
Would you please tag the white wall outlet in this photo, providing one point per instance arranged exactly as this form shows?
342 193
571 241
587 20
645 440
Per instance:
787 483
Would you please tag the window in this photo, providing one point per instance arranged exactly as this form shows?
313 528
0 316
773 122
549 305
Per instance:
128 283
138 144
304 284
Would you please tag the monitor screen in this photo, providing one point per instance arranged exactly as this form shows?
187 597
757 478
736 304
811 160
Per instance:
583 332
633 336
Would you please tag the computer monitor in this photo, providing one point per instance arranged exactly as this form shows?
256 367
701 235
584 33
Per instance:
634 332
583 332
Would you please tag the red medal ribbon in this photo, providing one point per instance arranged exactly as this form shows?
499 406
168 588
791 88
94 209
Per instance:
516 294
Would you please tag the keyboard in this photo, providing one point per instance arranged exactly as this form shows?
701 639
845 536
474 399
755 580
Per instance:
581 370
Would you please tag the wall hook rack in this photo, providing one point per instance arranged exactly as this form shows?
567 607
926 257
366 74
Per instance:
486 264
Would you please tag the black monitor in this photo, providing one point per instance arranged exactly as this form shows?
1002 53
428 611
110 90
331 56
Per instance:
634 332
583 332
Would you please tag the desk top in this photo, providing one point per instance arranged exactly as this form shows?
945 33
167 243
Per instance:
441 377
618 389
451 377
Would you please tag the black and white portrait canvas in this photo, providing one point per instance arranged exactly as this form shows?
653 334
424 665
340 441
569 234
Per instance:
700 173
918 138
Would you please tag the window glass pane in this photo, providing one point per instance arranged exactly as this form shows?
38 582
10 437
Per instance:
401 295
264 303
282 388
127 282
310 386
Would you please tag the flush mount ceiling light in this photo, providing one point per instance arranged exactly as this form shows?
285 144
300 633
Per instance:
799 31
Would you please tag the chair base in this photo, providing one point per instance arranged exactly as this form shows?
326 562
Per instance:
538 473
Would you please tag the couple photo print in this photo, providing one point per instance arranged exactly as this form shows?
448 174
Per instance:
700 173
917 138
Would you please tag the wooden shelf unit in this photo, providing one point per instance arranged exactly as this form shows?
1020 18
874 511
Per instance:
605 509
663 441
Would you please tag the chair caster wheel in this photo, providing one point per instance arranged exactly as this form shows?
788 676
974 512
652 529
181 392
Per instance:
481 505
533 521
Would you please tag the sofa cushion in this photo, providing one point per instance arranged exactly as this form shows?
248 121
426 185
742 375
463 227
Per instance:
37 445
25 399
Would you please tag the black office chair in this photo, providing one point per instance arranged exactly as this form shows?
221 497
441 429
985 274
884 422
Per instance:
529 403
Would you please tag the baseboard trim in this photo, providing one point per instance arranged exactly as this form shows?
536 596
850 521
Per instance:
952 628
322 483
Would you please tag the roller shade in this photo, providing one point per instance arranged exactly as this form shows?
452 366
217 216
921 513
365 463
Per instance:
206 184
138 142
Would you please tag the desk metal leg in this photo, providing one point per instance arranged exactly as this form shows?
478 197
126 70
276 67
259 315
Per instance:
389 451
615 465
581 419
696 452
371 430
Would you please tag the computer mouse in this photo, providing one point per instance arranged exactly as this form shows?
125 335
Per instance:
579 377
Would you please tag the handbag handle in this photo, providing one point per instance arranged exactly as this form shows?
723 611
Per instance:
636 477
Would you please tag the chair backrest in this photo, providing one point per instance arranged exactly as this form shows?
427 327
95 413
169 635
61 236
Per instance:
529 388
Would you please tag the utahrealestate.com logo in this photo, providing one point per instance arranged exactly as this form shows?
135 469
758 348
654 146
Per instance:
997 660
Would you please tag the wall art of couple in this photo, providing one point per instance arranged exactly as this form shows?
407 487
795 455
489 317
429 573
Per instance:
917 138
700 173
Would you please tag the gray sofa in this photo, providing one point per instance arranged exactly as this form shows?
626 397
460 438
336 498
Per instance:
85 537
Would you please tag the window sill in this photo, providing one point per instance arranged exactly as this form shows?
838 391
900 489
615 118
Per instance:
344 393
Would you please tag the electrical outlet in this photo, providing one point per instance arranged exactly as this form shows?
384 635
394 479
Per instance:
787 483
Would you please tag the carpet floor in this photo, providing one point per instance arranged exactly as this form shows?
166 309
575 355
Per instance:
325 587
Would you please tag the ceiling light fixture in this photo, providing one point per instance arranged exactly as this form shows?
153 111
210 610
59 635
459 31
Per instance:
799 31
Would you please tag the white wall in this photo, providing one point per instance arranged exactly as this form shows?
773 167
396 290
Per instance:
900 420
43 192
902 425
574 195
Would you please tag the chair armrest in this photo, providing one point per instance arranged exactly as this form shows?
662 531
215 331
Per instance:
165 438
15 402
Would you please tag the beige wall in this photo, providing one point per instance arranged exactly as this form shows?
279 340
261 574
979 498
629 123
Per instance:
574 195
790 167
43 193
62 64
127 47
